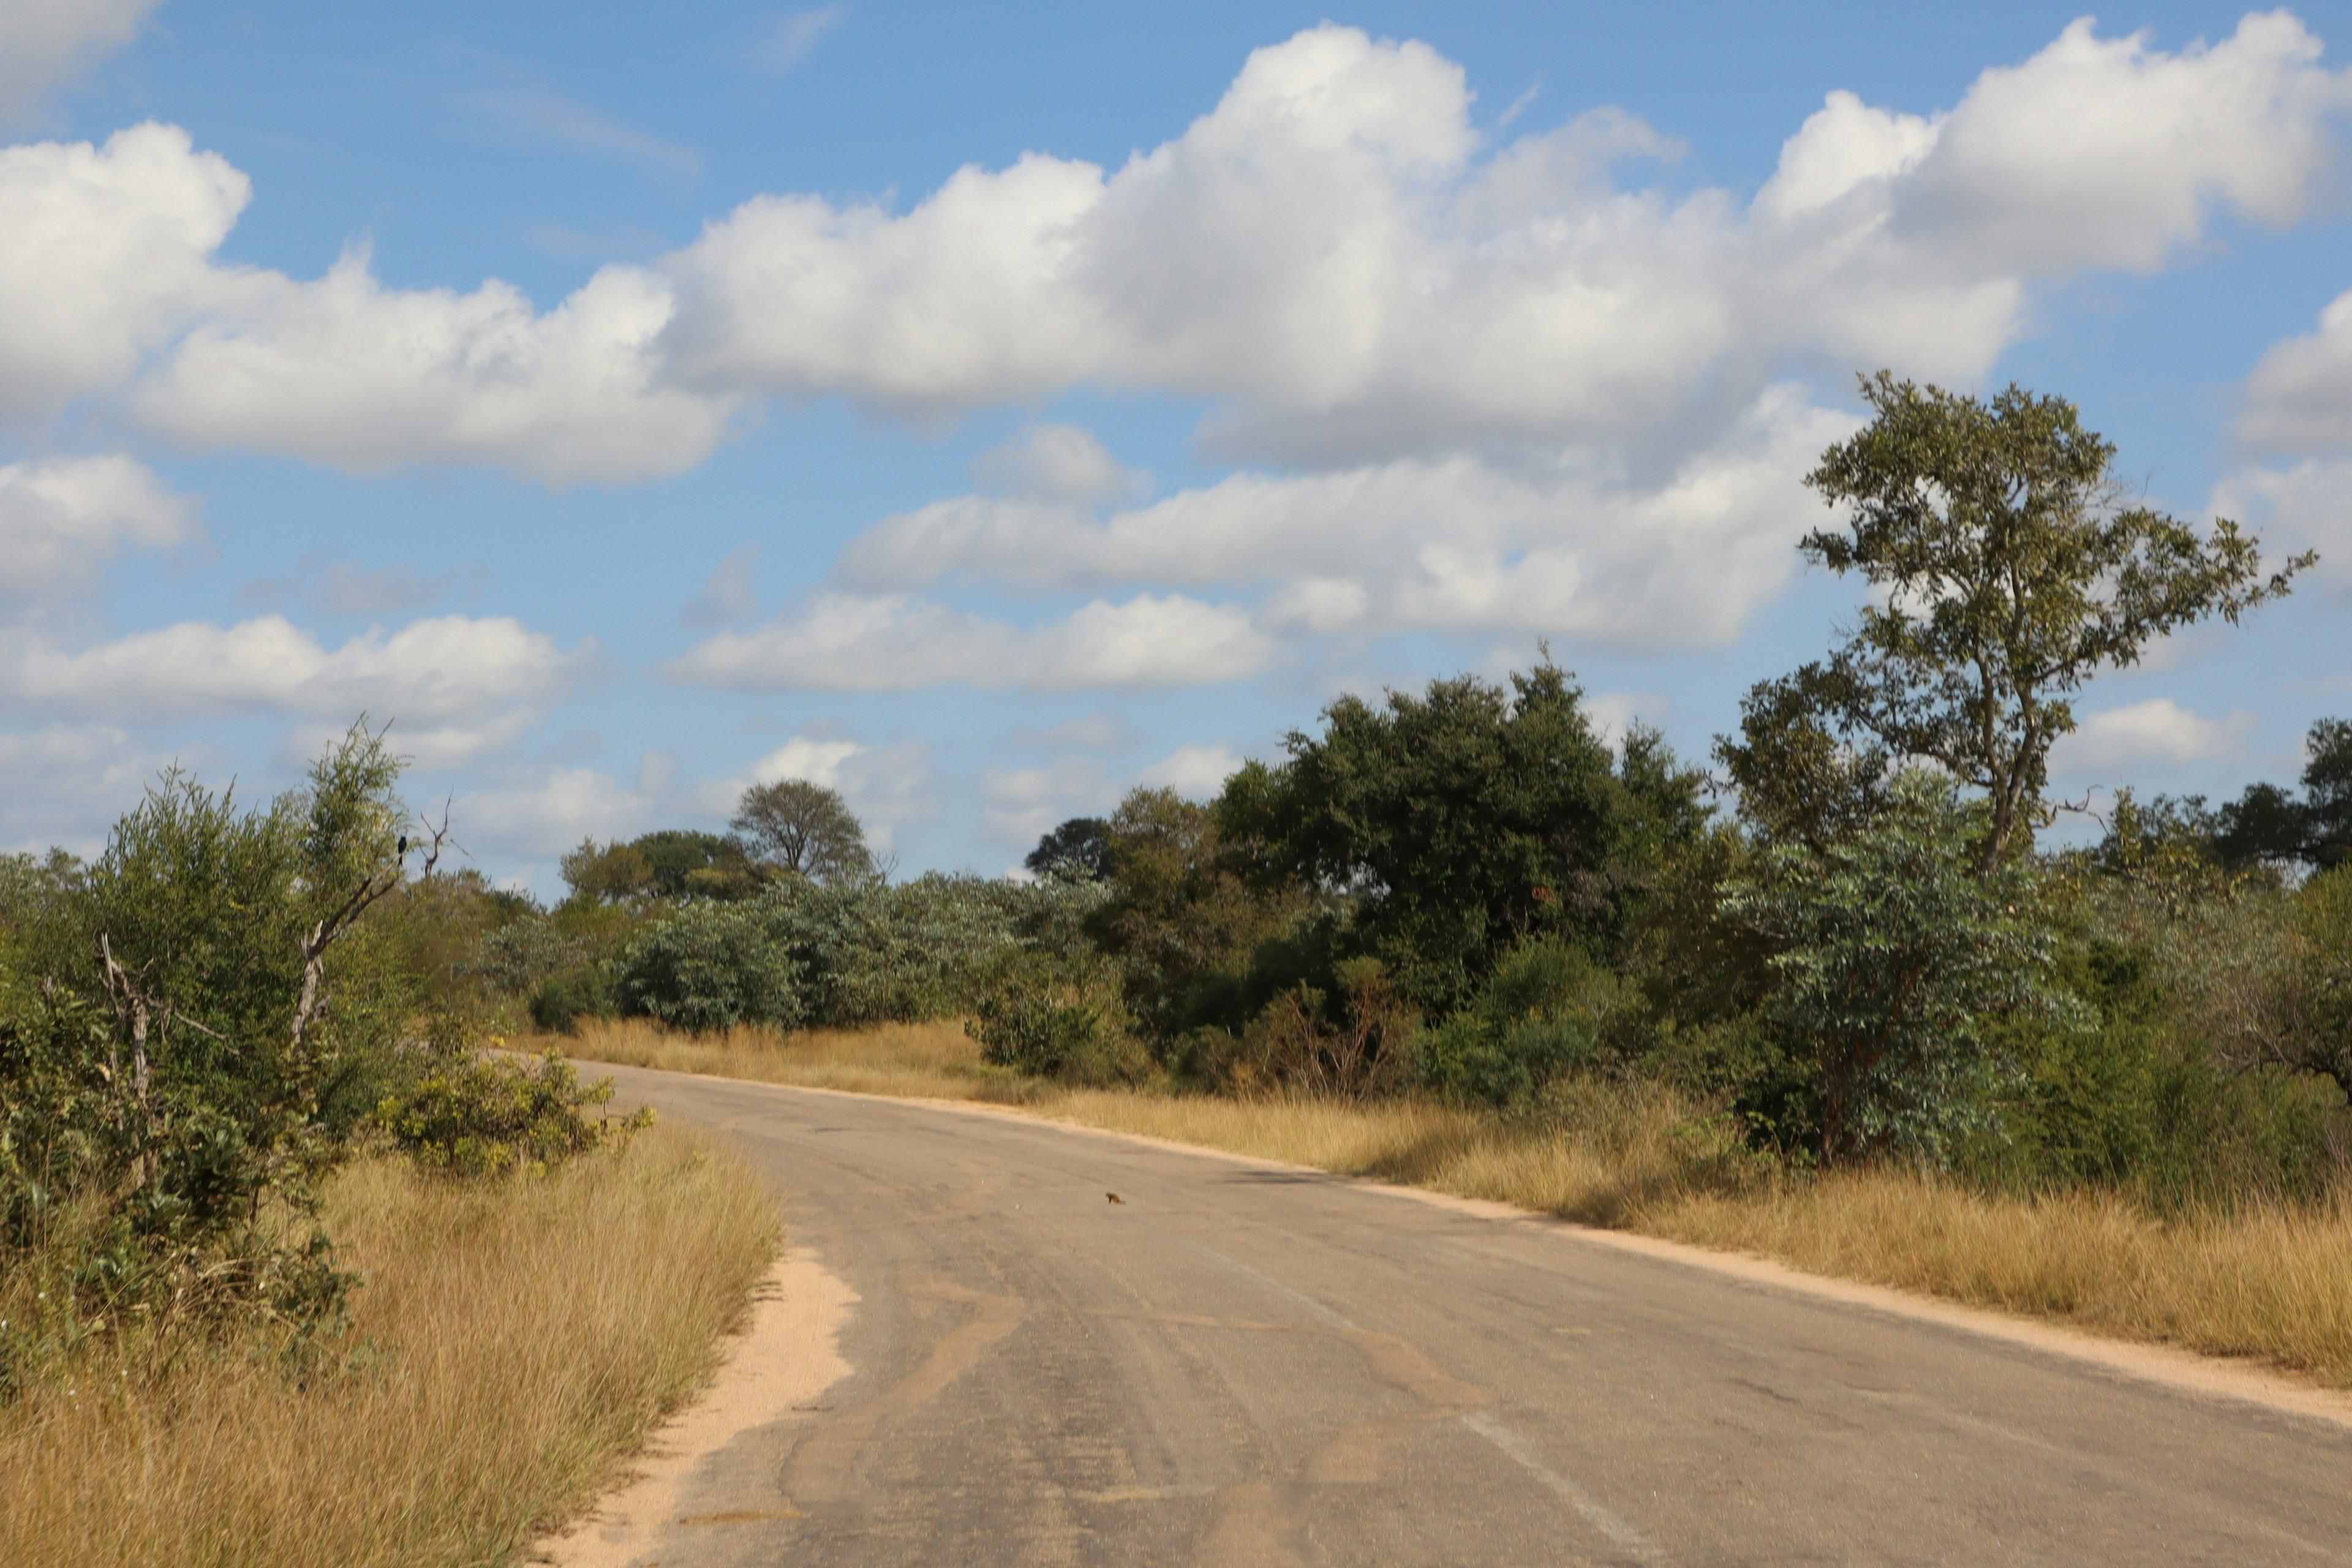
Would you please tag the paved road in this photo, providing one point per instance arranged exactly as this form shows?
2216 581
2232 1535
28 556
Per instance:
1240 1365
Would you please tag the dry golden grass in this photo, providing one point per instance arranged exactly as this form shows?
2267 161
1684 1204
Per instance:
2269 1281
934 1061
513 1345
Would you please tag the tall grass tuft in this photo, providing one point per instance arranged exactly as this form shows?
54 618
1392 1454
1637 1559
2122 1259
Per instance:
511 1344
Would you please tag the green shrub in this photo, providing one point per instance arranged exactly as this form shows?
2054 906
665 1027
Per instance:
190 1030
1547 1009
1052 1017
2316 1034
842 954
561 1000
712 967
1894 964
1354 1040
476 1116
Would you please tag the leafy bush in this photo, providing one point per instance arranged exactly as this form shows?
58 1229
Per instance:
1050 1018
560 1001
180 1063
1353 1041
712 967
471 1115
1547 1009
1894 964
1458 822
846 954
519 957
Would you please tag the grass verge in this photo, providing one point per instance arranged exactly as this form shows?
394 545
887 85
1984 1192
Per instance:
511 1345
2271 1282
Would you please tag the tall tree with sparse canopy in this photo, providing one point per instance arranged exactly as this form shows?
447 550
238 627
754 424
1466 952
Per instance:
803 828
2008 568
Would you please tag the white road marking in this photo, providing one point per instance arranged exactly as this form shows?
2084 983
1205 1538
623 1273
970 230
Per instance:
1595 1512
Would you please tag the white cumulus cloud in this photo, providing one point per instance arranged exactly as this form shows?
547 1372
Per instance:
2104 153
105 257
2158 731
1458 543
348 373
452 684
2299 398
64 519
846 642
1336 256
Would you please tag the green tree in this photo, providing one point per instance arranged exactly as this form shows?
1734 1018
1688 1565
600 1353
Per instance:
1894 958
2008 570
1180 909
1454 824
803 828
2327 794
2264 825
702 864
613 873
191 1030
1079 850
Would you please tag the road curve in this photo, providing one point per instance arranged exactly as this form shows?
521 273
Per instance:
1239 1364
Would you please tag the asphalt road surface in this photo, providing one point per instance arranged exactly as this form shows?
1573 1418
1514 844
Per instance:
1239 1364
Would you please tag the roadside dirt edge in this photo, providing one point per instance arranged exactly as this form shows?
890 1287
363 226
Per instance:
785 1354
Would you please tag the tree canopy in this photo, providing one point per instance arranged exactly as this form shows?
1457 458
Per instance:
2009 569
803 827
1457 822
1079 850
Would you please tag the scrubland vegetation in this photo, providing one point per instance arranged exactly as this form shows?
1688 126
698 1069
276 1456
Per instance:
507 1348
290 1272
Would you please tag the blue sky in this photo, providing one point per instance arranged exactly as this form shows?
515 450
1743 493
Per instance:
985 409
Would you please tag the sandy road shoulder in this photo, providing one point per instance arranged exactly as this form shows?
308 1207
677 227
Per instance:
786 1355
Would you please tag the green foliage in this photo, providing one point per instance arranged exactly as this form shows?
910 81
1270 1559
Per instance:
1894 964
1353 1040
1456 823
1054 1017
560 1001
802 829
713 967
615 872
180 1061
481 1117
1547 1009
516 958
2123 1095
2310 1021
1187 907
2270 827
2327 794
2010 572
1079 850
673 863
2263 826
841 955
